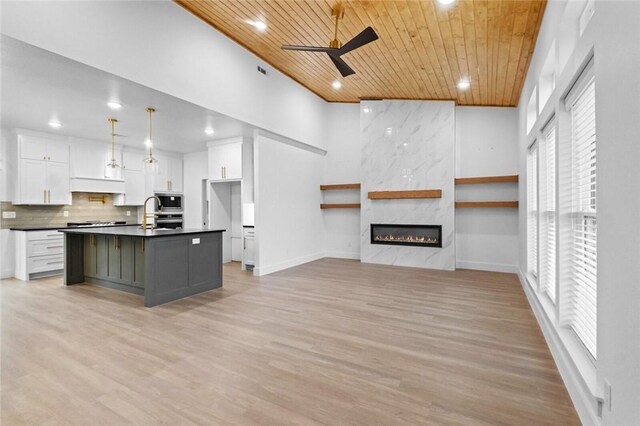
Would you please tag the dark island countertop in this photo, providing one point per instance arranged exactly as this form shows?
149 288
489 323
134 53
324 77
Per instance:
131 231
60 227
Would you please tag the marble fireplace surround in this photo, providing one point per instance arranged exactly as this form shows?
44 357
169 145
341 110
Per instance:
405 146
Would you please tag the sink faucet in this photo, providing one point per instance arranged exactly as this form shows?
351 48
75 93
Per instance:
146 215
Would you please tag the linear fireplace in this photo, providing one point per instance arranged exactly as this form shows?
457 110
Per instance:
407 235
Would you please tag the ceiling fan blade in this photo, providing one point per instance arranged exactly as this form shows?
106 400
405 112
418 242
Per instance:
366 36
307 48
342 66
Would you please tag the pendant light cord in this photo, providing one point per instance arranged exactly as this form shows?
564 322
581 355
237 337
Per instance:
150 111
113 122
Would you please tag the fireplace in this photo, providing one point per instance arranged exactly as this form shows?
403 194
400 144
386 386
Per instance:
407 235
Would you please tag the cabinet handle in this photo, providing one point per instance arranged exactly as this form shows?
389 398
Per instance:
50 247
143 245
49 195
54 263
44 195
244 244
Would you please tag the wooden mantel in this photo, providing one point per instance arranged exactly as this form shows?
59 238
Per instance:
399 195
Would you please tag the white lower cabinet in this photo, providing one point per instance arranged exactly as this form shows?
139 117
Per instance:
39 254
248 247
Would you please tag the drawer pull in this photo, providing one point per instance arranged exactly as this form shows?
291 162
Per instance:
50 247
54 263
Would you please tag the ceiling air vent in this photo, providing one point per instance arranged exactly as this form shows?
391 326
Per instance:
262 70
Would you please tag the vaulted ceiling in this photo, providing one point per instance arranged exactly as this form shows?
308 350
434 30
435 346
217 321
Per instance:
424 49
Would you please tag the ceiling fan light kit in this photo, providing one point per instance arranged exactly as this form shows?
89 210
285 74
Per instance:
336 49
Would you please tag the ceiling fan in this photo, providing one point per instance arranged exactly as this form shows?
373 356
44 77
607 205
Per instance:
336 49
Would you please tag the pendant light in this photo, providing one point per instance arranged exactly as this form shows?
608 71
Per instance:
112 169
150 163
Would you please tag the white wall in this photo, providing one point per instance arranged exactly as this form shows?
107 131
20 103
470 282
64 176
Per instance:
487 145
342 165
612 35
162 46
195 169
289 227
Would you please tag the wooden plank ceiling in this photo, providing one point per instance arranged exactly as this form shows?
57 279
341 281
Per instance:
424 49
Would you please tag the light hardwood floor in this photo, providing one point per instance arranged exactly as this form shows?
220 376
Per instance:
332 342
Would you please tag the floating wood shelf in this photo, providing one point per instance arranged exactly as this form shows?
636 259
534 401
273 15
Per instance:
340 186
396 195
486 179
340 206
485 204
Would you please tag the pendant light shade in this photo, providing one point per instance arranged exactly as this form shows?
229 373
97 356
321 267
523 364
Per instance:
112 169
150 163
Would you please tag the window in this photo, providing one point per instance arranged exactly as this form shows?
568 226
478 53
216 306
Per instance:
583 283
532 210
548 215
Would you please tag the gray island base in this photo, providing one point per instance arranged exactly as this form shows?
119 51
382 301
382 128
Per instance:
162 265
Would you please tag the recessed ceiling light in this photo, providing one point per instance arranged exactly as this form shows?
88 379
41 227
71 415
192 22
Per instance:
463 84
336 85
258 25
114 105
445 2
55 124
209 131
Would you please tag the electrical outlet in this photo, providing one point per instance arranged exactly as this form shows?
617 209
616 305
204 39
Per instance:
607 395
8 215
128 212
65 213
195 241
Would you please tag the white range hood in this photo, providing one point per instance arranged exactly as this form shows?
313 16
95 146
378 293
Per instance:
97 185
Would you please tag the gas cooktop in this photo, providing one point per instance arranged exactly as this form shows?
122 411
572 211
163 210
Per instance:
96 223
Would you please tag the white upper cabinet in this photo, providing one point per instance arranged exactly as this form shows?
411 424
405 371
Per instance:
225 159
33 182
132 160
175 183
169 177
37 148
58 183
58 152
43 171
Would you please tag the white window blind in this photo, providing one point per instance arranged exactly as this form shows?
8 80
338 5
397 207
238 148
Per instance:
548 240
582 307
532 210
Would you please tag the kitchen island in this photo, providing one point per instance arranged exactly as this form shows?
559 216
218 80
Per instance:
160 264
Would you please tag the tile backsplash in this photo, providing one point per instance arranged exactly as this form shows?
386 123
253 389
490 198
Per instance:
81 210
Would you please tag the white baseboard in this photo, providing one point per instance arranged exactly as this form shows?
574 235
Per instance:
483 266
342 255
582 395
270 269
7 273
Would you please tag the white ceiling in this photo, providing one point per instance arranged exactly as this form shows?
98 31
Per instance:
39 86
